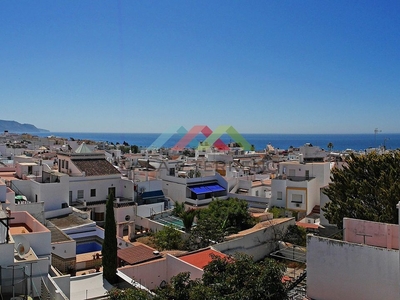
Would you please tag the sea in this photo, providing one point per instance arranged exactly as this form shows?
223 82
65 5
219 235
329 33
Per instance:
341 142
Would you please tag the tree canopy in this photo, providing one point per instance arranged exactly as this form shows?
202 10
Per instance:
221 218
295 235
167 238
233 213
367 188
233 278
128 294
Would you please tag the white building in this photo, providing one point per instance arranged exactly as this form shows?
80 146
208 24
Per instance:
198 191
25 255
84 179
298 185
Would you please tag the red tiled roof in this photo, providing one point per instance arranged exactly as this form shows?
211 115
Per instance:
95 167
137 254
201 258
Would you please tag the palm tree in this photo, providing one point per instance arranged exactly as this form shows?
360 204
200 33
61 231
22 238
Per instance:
188 218
179 209
330 147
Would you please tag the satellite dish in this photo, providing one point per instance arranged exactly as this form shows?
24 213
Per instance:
21 245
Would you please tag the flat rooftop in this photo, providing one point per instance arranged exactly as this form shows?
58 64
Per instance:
57 235
8 175
19 228
72 220
258 226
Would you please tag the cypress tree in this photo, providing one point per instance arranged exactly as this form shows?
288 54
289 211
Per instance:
109 249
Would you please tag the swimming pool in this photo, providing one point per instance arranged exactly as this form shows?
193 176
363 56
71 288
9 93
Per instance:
174 221
88 247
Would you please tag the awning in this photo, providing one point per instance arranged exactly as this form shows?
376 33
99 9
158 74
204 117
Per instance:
209 188
153 194
216 188
20 198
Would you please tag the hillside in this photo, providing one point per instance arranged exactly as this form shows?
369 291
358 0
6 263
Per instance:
15 127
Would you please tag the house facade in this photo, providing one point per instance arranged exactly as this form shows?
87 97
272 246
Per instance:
25 254
299 184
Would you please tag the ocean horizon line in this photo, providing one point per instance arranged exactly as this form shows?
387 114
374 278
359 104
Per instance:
114 132
356 141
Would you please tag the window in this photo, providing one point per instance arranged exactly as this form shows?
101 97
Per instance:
62 164
297 198
279 196
66 164
93 193
80 194
98 216
256 193
111 190
307 174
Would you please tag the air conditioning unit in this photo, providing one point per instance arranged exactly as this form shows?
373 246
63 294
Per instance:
297 204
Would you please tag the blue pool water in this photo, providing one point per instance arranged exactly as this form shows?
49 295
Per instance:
88 247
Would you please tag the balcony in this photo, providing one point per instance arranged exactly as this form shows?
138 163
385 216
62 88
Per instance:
295 178
118 202
204 201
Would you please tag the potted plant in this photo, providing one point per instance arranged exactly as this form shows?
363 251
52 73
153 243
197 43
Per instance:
97 266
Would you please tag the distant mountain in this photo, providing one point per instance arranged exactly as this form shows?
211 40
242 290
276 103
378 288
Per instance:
15 127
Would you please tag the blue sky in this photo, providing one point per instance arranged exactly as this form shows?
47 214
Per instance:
144 66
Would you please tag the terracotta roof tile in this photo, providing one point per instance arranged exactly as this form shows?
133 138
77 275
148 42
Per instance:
201 258
95 167
307 225
137 254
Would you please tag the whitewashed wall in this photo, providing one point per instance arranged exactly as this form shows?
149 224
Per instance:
340 270
52 194
175 188
152 273
149 274
100 183
147 210
176 266
65 249
257 244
